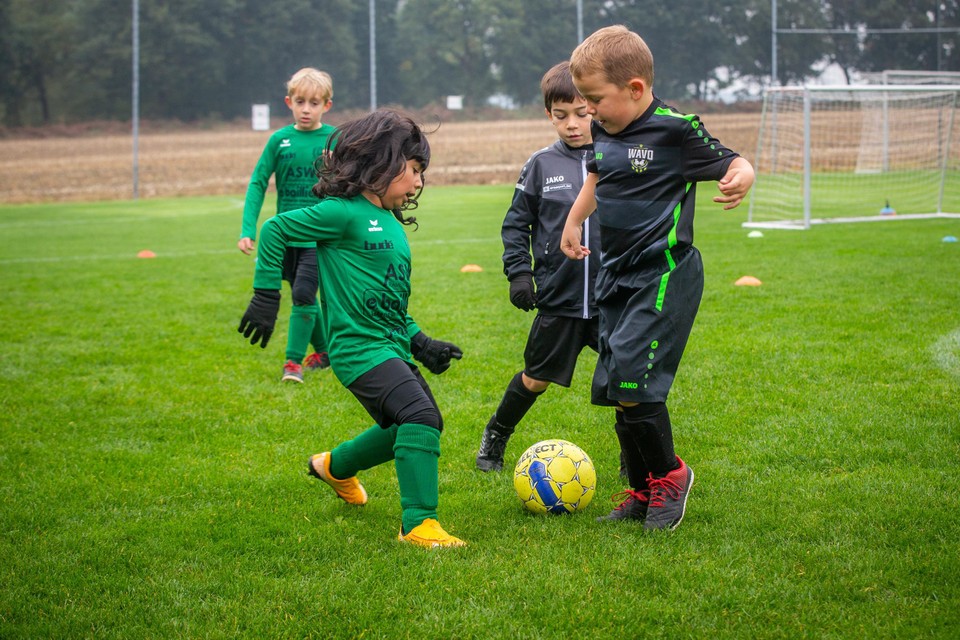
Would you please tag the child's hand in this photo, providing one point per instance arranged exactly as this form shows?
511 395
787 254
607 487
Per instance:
735 184
257 323
522 294
435 355
570 243
245 245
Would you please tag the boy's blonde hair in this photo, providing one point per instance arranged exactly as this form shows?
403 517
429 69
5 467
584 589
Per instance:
615 52
310 82
557 85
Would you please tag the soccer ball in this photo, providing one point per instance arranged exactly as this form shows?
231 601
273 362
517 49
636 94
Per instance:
555 476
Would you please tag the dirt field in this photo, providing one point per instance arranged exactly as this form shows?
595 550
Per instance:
220 162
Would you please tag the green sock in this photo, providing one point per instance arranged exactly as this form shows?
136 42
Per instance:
418 465
318 338
302 319
372 447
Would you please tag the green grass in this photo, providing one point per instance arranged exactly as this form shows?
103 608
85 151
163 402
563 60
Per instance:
152 467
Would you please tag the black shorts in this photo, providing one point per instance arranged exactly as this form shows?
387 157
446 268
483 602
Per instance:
554 344
641 346
394 392
300 270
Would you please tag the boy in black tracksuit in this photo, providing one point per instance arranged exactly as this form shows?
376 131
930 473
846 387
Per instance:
566 320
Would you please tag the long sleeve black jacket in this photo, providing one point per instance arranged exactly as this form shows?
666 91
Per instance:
548 185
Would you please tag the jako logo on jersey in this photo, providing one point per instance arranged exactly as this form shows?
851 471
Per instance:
628 385
556 183
640 158
374 226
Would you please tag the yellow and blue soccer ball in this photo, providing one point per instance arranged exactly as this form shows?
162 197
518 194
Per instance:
555 476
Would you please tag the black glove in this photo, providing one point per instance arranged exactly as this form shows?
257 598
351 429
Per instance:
522 294
260 317
435 355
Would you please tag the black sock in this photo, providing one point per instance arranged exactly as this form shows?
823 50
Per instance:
516 401
636 466
650 425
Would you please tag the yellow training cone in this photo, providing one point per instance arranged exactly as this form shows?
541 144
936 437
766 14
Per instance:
748 281
471 268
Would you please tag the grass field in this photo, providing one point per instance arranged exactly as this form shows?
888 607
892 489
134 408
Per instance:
152 467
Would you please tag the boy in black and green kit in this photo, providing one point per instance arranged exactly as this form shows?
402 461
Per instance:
641 182
290 154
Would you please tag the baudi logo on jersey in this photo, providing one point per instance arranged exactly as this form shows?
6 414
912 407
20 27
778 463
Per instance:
386 245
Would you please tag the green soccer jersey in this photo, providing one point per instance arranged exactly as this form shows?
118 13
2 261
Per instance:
290 155
364 262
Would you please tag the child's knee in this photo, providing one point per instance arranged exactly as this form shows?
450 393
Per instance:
534 385
303 296
643 411
428 416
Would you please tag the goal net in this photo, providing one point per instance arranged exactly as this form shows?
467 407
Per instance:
856 153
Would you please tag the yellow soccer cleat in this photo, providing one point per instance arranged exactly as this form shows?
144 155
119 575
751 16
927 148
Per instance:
430 534
350 490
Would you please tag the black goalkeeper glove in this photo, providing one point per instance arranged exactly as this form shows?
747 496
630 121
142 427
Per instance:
522 294
257 323
435 355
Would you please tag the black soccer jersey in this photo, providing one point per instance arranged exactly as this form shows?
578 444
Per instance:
646 189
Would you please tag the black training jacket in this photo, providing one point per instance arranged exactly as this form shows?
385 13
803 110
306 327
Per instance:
548 185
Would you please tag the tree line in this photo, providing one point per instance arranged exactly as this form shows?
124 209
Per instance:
70 60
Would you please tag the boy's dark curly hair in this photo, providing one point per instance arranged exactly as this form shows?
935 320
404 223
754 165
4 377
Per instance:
368 153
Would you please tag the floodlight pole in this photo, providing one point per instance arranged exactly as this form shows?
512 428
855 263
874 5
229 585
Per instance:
373 55
579 21
806 157
773 43
939 45
135 116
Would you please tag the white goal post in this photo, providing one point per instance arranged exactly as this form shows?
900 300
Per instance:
856 153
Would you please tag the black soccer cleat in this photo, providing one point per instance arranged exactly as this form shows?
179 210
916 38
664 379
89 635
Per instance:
668 498
632 507
492 446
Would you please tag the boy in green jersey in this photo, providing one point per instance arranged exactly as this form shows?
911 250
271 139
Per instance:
290 154
371 173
